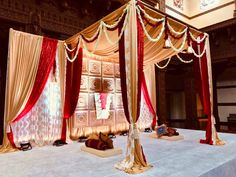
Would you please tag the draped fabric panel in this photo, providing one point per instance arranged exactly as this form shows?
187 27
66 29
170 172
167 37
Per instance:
123 75
73 80
47 58
149 72
135 161
46 61
202 68
23 58
148 101
201 72
42 124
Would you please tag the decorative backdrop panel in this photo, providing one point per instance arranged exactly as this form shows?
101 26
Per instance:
99 77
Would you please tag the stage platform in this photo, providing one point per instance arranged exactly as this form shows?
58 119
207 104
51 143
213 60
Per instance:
184 158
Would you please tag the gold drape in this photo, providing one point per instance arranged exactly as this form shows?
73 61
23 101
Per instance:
150 77
23 58
62 70
139 164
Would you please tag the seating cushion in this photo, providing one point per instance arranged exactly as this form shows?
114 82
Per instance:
101 153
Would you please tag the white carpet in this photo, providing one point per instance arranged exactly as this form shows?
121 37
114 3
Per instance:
184 158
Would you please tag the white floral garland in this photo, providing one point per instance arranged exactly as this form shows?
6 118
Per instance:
195 39
182 45
122 30
71 50
125 11
163 67
176 32
102 113
203 52
145 31
184 61
148 16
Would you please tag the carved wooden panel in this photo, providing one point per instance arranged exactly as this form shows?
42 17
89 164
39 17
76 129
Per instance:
119 102
113 100
110 120
84 83
85 66
93 121
95 84
120 116
117 70
118 87
108 85
83 101
91 104
107 69
81 119
94 67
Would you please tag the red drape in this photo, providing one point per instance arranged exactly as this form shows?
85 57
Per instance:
47 58
73 81
201 74
140 51
148 101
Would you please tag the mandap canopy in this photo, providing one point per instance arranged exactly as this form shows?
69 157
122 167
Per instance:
137 37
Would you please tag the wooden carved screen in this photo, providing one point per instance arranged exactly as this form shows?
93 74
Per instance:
99 76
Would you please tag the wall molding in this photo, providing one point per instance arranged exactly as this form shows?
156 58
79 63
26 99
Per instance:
202 13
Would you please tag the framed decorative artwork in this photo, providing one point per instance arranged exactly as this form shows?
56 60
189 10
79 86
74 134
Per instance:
206 3
178 4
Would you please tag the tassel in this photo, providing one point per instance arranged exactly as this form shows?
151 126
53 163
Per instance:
189 50
167 44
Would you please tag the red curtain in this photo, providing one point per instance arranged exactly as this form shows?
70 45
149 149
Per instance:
47 59
123 73
201 74
148 101
73 80
140 51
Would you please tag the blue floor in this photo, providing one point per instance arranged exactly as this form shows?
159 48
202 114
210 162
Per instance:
184 158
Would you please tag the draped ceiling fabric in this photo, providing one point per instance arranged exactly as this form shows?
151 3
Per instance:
102 38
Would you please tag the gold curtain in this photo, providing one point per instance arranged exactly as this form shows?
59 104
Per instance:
23 58
150 77
62 70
